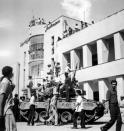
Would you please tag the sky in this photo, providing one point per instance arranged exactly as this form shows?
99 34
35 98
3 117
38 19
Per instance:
16 14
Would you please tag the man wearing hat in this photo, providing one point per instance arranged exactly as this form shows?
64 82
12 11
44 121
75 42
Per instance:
115 114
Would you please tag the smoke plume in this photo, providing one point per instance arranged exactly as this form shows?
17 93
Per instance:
79 9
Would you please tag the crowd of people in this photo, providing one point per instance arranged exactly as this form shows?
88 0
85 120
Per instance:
9 106
51 90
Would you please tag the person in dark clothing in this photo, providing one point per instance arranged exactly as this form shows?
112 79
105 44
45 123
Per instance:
32 110
30 86
16 107
66 86
115 114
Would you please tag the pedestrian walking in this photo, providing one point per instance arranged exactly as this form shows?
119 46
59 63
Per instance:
16 107
115 114
53 109
79 111
32 109
7 120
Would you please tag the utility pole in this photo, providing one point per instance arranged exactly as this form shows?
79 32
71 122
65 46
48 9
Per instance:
18 76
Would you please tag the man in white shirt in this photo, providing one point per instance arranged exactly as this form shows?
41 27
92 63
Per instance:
31 110
79 112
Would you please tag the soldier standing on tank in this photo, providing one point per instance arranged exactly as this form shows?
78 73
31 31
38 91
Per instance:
67 83
115 114
30 86
67 86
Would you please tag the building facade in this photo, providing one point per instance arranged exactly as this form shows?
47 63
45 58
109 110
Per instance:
36 50
55 31
32 54
97 50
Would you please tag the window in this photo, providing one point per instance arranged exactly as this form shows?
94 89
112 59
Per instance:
110 46
93 49
37 39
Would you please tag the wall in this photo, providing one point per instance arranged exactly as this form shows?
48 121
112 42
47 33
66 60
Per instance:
94 32
24 77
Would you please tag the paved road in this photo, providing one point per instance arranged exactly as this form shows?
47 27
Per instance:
22 126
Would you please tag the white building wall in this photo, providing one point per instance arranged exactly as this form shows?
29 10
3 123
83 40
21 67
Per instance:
94 32
24 59
112 26
56 31
119 45
36 30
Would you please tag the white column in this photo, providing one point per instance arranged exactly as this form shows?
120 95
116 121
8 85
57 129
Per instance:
102 90
17 78
89 91
64 63
77 58
87 56
120 86
102 51
119 45
74 59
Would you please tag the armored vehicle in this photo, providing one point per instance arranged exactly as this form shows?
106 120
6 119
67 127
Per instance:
93 109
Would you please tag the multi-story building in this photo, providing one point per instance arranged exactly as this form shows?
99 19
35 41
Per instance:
54 32
97 50
40 49
32 54
36 49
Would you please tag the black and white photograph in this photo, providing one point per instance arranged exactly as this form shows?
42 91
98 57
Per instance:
61 65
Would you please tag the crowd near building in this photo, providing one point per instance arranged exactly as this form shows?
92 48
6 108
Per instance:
97 49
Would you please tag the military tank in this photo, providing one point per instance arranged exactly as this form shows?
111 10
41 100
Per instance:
93 109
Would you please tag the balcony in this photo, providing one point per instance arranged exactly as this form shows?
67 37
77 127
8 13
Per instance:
114 68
